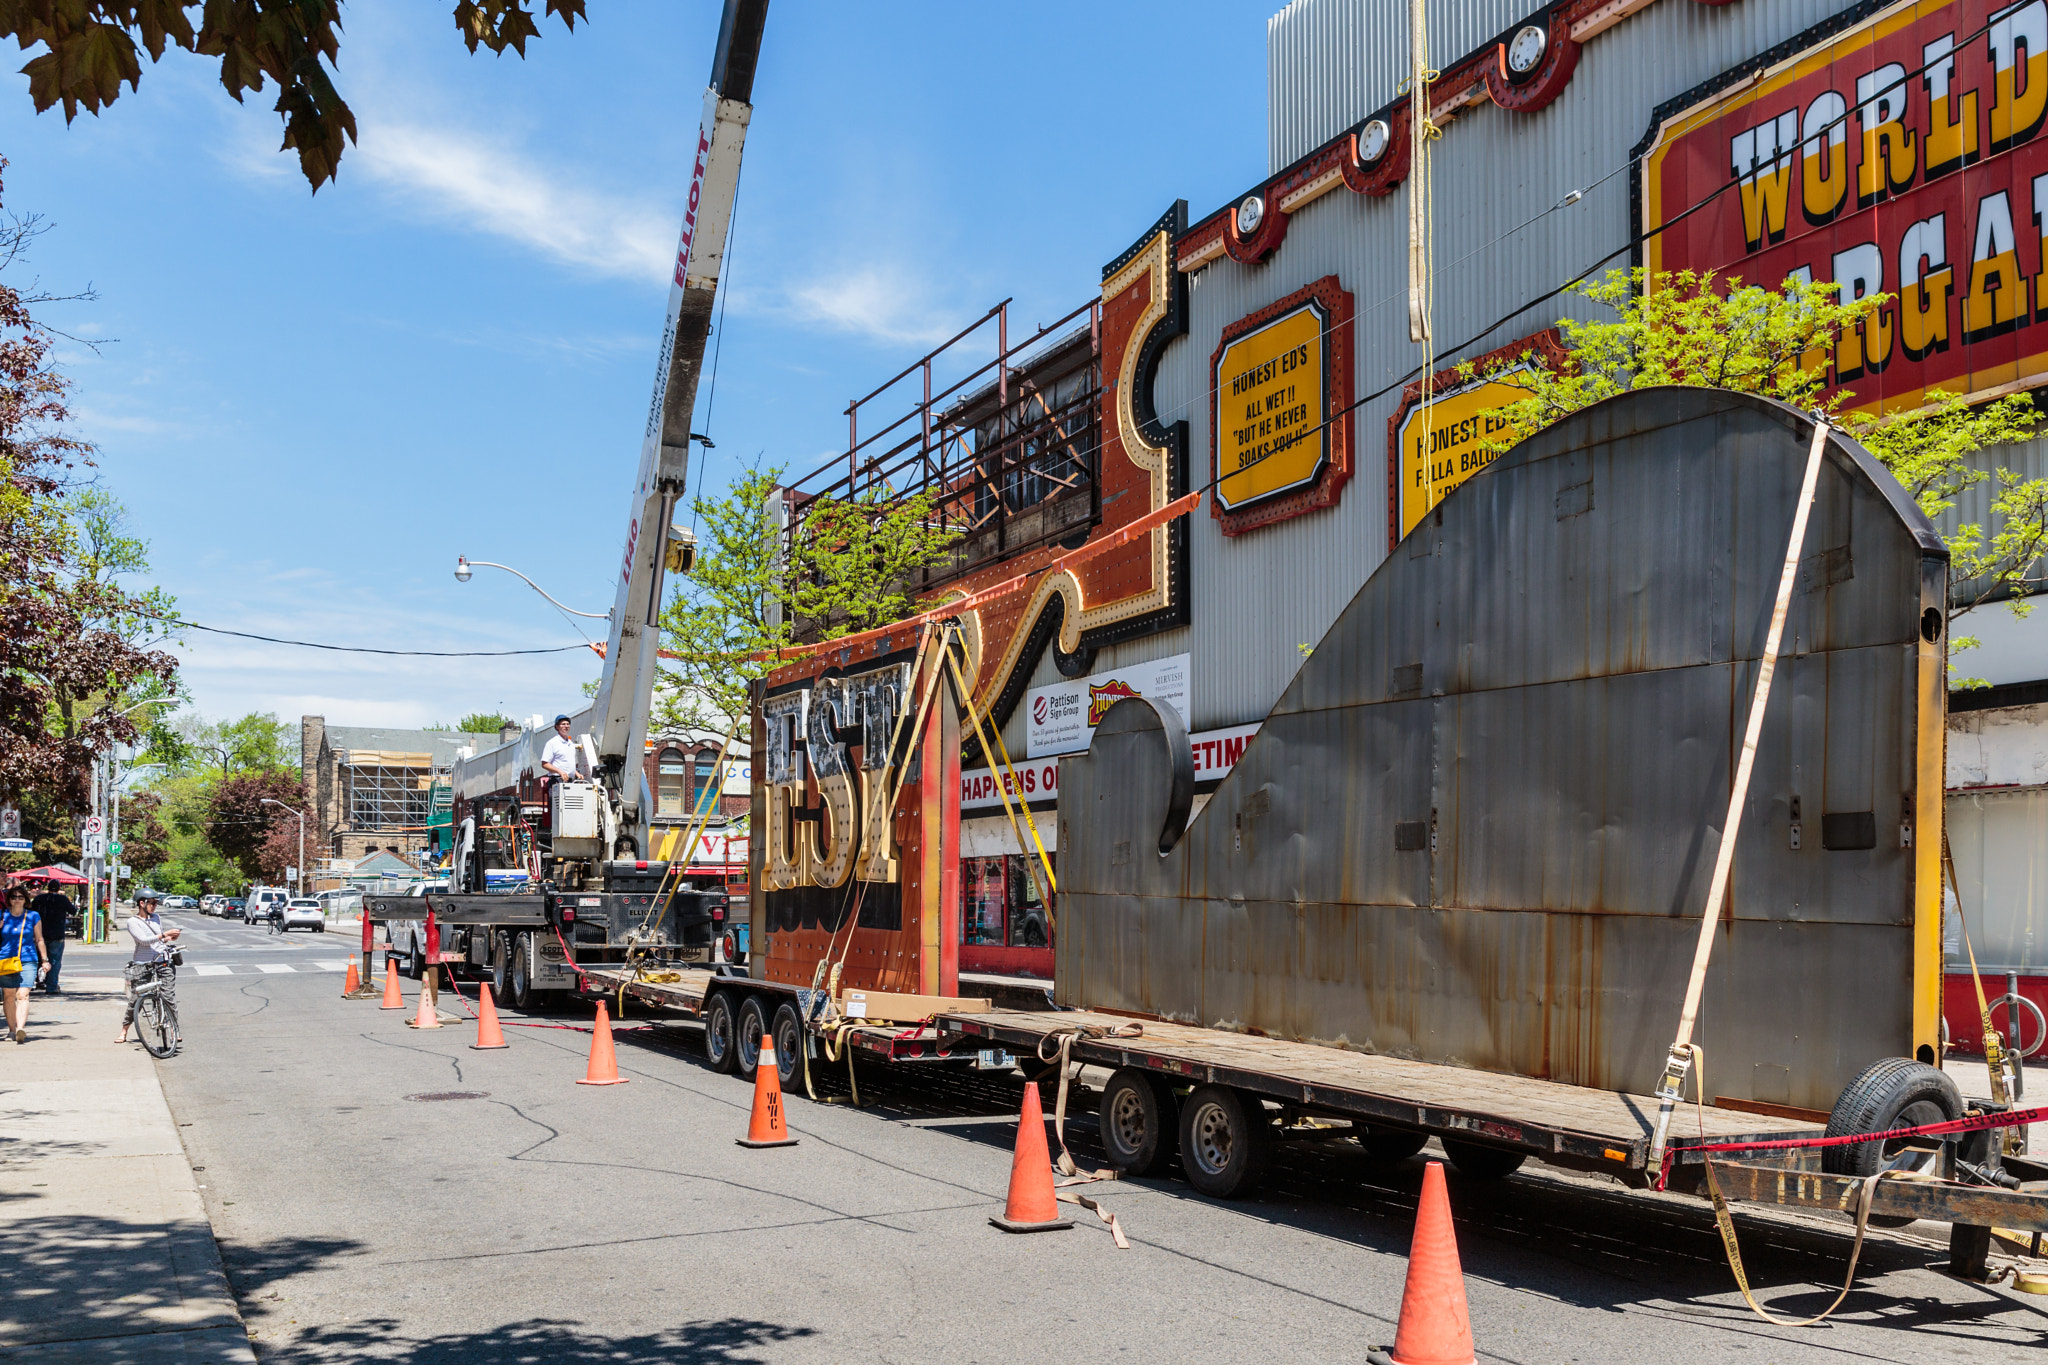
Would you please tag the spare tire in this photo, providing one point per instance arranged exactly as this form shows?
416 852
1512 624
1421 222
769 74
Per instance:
1893 1092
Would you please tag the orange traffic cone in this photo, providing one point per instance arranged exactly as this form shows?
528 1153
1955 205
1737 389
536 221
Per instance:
1434 1328
428 1017
350 986
1032 1206
767 1128
488 1034
604 1064
392 999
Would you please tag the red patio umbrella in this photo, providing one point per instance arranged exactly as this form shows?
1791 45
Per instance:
48 874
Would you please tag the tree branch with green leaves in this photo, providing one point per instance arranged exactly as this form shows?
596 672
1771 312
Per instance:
1696 328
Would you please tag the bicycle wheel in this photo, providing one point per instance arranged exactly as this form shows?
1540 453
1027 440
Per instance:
156 1024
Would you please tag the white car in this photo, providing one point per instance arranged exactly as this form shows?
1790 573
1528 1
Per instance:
303 912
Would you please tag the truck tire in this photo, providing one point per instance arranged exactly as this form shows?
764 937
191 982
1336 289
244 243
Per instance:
721 1033
523 994
1224 1140
753 1023
1481 1162
1139 1122
1392 1144
501 967
416 960
789 1045
1893 1092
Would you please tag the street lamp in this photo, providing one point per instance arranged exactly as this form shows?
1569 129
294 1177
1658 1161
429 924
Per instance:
464 566
301 869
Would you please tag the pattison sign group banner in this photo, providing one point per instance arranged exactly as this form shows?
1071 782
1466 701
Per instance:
1898 151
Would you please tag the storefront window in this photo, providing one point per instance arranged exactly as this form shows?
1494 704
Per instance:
674 777
703 797
1030 926
984 900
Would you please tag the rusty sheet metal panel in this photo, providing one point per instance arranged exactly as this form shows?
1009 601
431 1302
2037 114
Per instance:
1478 827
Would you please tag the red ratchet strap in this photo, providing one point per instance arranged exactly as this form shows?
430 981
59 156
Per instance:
1974 1123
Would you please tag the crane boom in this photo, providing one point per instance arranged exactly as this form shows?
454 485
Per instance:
626 685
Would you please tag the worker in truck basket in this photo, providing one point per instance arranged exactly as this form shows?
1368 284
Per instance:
558 759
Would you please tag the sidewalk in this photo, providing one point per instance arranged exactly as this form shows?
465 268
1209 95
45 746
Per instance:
109 1254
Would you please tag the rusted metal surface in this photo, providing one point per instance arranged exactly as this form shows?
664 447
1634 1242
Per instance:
1942 1201
1478 826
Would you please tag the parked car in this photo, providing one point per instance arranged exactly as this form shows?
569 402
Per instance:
303 912
231 907
264 903
345 903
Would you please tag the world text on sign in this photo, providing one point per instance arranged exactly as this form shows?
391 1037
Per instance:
1900 155
1271 437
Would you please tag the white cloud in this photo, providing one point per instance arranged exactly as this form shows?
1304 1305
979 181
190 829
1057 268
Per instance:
454 174
887 302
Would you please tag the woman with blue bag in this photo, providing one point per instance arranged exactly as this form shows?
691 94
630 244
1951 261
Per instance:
22 956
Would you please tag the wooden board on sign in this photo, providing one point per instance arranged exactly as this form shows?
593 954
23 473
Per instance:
873 1005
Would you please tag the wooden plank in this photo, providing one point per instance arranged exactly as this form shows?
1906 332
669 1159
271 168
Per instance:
1938 1200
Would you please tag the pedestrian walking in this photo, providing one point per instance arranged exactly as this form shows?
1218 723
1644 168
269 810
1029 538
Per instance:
153 941
21 959
56 910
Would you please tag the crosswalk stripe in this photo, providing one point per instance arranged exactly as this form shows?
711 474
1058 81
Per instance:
275 967
332 966
213 971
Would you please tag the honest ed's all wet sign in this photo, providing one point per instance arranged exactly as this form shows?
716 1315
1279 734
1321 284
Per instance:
1442 445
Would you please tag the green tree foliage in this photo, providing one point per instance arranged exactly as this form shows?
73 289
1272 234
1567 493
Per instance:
94 47
75 642
145 839
483 723
256 742
1696 329
747 603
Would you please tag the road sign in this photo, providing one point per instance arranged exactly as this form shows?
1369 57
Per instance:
127 871
291 874
95 844
94 825
17 846
114 848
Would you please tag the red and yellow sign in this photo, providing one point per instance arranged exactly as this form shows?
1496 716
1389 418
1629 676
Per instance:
1902 155
1269 402
1451 446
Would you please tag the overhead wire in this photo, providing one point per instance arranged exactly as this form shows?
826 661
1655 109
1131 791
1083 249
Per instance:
184 624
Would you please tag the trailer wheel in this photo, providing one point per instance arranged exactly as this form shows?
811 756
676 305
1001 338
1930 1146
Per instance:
747 1046
1481 1162
1392 1144
720 1033
1224 1140
789 1043
416 961
523 994
501 967
1893 1092
1139 1121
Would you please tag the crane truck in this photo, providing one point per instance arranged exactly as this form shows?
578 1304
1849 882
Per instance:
592 893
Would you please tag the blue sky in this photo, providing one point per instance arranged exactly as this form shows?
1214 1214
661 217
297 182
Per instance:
312 404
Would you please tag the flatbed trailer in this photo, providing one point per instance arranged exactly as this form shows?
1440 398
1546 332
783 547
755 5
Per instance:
1492 1121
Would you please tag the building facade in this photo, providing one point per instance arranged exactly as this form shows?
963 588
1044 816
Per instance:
375 789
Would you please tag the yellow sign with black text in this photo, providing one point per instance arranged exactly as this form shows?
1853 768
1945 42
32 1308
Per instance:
1270 434
1437 458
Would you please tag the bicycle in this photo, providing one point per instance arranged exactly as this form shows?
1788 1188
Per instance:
156 1014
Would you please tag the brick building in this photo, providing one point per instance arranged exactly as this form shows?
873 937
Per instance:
370 788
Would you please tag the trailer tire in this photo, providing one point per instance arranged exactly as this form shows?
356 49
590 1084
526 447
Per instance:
501 967
524 996
721 1033
1892 1092
1139 1122
1224 1140
1481 1162
788 1034
1391 1144
753 1023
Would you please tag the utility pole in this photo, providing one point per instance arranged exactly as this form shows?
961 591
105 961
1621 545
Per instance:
301 869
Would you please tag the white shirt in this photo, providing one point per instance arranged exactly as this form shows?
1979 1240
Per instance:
562 753
148 933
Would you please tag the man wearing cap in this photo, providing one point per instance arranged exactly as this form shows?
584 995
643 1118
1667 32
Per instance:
153 943
559 757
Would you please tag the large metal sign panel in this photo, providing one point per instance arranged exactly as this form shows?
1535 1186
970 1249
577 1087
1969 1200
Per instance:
1269 393
1893 152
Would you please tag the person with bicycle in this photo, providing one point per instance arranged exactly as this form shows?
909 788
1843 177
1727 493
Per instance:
154 943
21 945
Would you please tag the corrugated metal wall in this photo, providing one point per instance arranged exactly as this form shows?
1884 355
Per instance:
1258 597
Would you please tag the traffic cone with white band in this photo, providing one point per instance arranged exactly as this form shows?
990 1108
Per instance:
767 1127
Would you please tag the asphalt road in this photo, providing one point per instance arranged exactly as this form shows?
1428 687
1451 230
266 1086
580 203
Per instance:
365 1212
